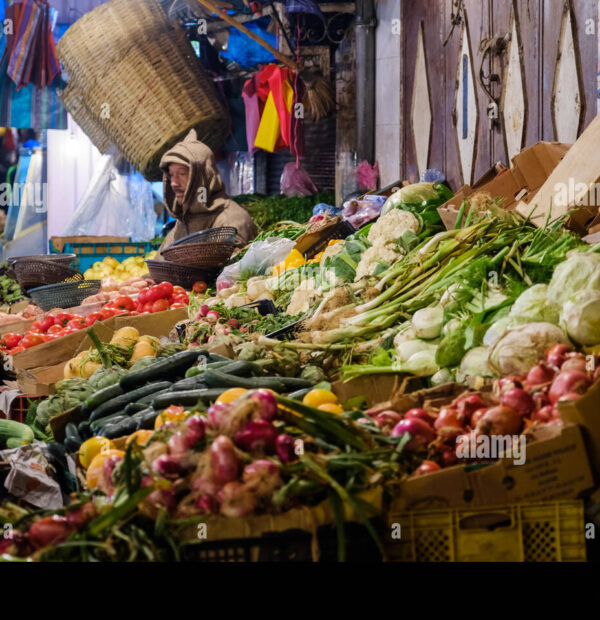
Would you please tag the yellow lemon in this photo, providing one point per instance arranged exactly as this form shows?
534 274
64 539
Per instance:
140 437
318 397
230 395
94 472
331 408
91 448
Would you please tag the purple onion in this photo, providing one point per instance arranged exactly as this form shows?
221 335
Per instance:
421 433
262 477
267 404
166 466
285 447
257 436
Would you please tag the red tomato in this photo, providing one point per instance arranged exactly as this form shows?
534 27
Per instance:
143 296
10 341
43 325
178 290
36 327
32 340
92 318
167 288
16 350
147 307
76 324
160 305
106 312
177 305
124 302
55 329
62 318
199 287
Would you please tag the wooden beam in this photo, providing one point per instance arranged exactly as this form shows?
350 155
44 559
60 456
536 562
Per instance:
230 20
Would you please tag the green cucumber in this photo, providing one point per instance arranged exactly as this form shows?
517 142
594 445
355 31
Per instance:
120 402
134 408
192 383
120 429
109 419
101 396
299 394
72 433
169 366
147 400
295 383
194 371
216 357
239 368
215 378
188 398
72 445
85 432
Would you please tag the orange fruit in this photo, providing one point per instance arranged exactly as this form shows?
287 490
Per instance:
140 437
94 471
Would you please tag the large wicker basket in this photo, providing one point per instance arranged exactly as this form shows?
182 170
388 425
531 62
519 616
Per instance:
200 255
135 81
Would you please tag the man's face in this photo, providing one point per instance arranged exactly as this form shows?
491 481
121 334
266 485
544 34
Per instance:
179 176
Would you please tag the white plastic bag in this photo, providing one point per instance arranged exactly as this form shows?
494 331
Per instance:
258 260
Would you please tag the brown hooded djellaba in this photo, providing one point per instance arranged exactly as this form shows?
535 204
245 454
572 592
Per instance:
205 203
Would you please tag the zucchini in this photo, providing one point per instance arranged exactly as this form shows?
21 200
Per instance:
169 366
188 398
101 396
120 429
147 400
192 383
85 432
109 419
134 408
147 419
72 432
120 402
9 429
72 445
216 357
239 368
299 394
216 378
295 383
194 371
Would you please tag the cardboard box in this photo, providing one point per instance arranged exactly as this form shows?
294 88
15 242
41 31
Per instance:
573 184
556 467
40 381
586 413
20 326
375 388
517 185
159 324
59 242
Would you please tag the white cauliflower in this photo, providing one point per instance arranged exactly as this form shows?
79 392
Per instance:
331 251
392 226
304 297
387 253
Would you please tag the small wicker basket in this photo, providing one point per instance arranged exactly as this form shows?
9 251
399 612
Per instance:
224 234
65 295
179 275
32 273
62 259
200 255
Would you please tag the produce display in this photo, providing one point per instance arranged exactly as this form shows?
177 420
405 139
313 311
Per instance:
10 291
109 267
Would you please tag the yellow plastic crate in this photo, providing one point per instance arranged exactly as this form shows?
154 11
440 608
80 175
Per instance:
541 532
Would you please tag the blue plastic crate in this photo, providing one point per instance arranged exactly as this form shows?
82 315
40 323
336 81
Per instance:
89 253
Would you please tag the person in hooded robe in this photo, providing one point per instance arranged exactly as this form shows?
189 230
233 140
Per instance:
195 194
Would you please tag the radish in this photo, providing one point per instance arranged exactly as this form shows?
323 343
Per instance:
519 400
449 416
223 459
204 309
566 382
212 316
233 323
500 420
421 433
421 414
540 374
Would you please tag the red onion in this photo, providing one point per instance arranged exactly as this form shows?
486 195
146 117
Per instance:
380 408
570 397
540 374
508 383
196 428
108 468
574 363
477 415
557 354
206 484
449 457
540 400
426 467
236 500
519 400
166 466
568 381
597 374
449 416
386 420
206 504
421 433
468 405
162 498
267 404
223 459
81 516
421 414
543 415
500 420
177 445
285 448
262 477
218 415
49 531
257 436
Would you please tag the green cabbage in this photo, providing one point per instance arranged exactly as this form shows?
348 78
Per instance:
419 198
579 272
534 306
581 318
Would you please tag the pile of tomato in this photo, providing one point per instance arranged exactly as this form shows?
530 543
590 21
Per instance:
158 298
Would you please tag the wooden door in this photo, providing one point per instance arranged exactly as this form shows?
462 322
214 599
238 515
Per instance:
532 64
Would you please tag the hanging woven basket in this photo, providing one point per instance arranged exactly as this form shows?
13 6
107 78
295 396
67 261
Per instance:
135 82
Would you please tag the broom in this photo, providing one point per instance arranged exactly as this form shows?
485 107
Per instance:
318 98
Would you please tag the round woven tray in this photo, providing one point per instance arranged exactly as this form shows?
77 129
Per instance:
200 255
64 295
179 275
61 259
224 234
32 273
